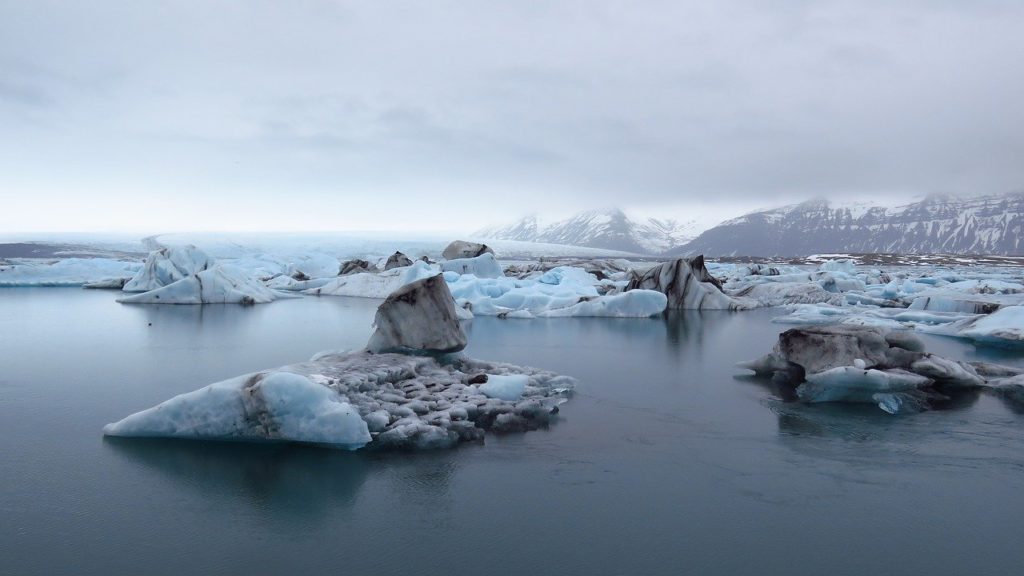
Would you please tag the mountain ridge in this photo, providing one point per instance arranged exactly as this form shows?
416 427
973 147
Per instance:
608 228
991 224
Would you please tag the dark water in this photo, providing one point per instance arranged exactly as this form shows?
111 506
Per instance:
663 463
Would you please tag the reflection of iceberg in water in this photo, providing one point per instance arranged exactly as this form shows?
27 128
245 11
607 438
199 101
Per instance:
300 480
296 484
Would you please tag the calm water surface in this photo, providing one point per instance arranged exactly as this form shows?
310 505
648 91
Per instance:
663 463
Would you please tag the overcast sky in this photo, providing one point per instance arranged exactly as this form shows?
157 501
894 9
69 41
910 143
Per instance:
315 115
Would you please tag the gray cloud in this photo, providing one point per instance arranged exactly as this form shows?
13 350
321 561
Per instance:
391 114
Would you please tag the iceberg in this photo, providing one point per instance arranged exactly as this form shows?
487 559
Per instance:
483 266
397 260
1004 327
221 284
356 266
281 406
167 266
688 285
407 390
865 364
361 285
632 304
418 318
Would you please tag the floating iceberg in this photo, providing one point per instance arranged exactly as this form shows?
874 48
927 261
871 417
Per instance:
687 285
559 292
377 398
167 266
267 406
418 318
220 284
1004 327
844 363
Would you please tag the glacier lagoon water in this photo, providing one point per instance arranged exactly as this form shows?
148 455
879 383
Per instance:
663 463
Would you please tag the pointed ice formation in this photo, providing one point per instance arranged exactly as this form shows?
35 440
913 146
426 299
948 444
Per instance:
688 285
397 260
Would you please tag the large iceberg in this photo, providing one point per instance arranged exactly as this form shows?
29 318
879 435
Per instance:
186 275
168 265
221 284
420 398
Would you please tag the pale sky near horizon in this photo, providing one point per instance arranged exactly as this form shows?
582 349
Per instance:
313 115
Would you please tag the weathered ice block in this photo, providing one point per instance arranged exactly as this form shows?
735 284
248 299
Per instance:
418 318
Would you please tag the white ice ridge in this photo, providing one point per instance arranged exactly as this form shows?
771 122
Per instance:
67 272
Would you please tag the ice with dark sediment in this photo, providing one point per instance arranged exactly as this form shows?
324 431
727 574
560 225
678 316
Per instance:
397 260
866 364
459 249
418 318
409 389
687 284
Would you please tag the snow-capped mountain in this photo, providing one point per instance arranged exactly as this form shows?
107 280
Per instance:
937 224
608 229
